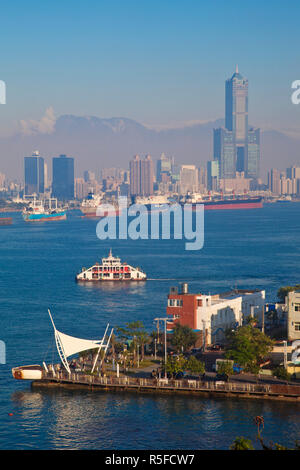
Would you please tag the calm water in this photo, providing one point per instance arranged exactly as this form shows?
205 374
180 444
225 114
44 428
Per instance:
254 249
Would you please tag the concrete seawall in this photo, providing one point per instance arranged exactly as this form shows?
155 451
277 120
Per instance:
165 386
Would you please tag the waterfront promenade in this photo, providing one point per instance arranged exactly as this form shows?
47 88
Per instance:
171 386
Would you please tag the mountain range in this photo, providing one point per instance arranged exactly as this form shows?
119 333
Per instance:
97 143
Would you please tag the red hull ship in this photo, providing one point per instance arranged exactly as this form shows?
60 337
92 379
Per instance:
230 204
5 220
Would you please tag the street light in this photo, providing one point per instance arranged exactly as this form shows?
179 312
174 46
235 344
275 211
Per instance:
165 321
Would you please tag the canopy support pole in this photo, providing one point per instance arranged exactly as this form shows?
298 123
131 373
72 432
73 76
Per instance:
98 352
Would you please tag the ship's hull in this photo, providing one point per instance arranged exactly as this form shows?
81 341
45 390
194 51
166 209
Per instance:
231 204
91 213
44 217
111 280
34 372
5 221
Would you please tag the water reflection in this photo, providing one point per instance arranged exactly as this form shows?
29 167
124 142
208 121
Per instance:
81 419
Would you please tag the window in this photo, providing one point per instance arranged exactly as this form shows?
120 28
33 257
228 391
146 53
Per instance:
297 326
297 307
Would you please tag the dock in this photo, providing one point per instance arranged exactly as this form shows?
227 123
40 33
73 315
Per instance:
168 386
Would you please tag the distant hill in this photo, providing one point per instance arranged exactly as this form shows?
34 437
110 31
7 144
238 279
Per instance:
96 143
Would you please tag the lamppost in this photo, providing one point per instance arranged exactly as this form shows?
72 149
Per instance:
165 321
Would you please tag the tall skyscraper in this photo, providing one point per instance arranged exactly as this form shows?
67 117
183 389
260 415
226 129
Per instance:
163 165
34 174
236 147
141 176
63 178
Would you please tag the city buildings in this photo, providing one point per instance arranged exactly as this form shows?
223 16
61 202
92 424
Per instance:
189 180
213 314
239 184
213 175
141 176
34 174
284 183
293 321
63 178
236 146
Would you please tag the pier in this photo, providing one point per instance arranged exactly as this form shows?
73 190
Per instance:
169 386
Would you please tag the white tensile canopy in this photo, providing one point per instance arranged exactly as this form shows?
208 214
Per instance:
69 345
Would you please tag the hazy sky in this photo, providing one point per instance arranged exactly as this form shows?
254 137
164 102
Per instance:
158 62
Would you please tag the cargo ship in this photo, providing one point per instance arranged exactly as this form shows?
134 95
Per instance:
5 221
94 207
111 269
221 203
37 211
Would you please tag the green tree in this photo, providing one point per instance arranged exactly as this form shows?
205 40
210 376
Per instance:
195 366
175 365
183 338
281 373
241 443
283 291
136 333
225 368
247 346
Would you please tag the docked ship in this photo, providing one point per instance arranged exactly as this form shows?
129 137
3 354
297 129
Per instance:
223 203
40 211
94 206
111 269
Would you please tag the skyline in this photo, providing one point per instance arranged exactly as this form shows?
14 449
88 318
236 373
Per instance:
158 65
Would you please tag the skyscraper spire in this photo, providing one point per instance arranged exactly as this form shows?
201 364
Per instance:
236 68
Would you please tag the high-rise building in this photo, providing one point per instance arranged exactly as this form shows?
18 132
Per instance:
274 181
189 180
212 175
141 176
34 174
63 177
163 166
236 147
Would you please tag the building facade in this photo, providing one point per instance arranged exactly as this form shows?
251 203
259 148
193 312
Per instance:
212 315
63 178
34 174
236 147
141 176
293 322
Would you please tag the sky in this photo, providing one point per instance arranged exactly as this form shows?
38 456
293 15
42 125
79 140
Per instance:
162 63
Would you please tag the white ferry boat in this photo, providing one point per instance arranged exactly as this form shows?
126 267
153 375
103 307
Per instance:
111 269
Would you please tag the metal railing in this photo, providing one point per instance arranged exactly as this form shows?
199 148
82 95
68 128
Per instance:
173 384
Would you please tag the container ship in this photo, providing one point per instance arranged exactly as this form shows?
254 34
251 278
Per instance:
221 203
36 211
94 207
111 269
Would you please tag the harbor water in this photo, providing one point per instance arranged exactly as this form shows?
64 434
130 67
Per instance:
256 248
